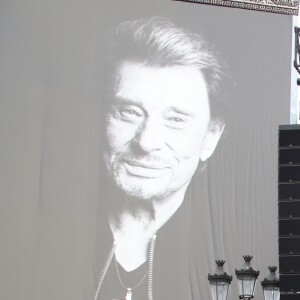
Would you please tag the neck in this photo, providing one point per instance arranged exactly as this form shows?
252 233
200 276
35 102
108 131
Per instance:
134 224
134 218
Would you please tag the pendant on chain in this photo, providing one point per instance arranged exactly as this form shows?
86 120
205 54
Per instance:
129 294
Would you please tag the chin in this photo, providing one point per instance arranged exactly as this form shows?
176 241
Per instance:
141 188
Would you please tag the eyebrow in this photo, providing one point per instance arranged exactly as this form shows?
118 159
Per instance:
127 101
119 99
180 111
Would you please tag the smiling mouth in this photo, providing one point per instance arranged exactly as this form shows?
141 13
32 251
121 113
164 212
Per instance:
145 170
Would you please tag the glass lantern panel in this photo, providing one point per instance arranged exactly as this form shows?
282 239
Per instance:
219 290
271 294
247 287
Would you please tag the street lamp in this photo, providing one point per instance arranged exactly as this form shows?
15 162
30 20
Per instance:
247 277
270 285
297 52
219 282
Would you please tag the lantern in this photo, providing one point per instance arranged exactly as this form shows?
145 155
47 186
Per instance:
219 282
270 285
247 277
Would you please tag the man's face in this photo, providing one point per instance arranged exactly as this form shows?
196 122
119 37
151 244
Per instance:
156 128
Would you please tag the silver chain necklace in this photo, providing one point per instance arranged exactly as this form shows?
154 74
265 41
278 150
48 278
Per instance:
129 290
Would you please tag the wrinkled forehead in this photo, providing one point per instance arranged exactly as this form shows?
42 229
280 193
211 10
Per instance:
121 66
128 72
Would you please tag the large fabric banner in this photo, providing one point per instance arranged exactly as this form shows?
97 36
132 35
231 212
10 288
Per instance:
138 145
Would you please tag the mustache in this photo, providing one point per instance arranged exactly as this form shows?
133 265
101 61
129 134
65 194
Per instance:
146 160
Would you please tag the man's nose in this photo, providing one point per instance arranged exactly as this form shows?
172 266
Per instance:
150 136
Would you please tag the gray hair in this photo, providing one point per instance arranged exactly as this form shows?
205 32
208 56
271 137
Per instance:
158 42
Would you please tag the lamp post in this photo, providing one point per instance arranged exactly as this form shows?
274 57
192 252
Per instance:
219 282
270 285
297 52
247 277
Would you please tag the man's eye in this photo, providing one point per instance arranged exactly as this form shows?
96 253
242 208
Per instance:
127 114
176 122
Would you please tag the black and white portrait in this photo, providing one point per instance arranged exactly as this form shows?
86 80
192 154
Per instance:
138 144
159 125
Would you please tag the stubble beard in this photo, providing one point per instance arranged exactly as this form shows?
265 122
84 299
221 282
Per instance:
137 187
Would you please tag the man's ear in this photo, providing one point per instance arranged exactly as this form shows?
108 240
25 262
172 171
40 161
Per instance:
211 140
